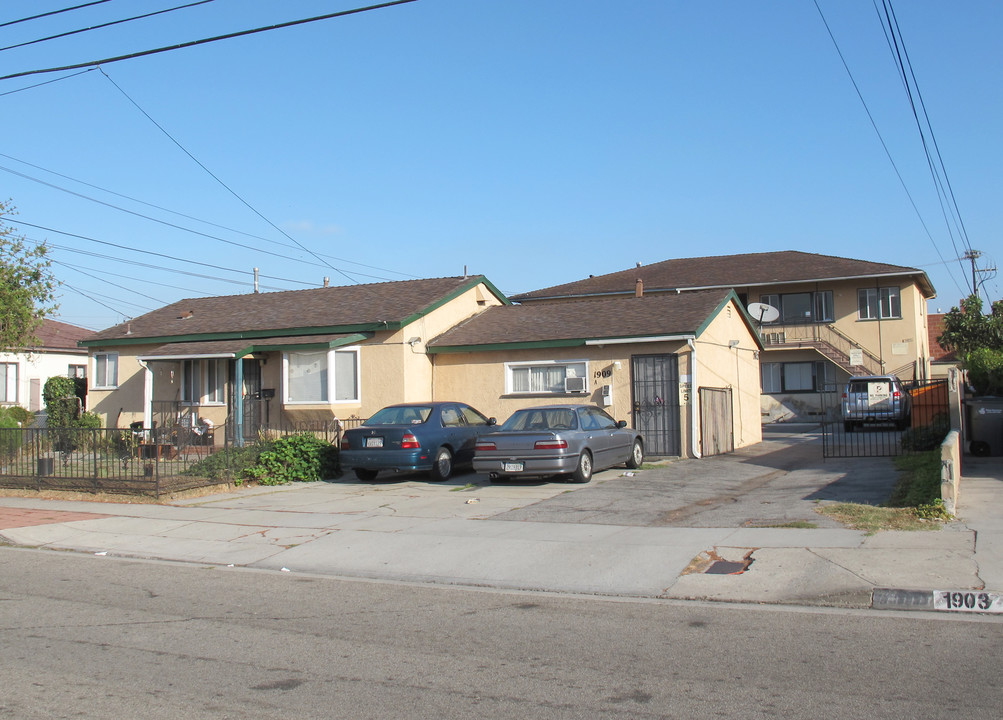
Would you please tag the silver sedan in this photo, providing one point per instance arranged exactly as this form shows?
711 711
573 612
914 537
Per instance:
574 440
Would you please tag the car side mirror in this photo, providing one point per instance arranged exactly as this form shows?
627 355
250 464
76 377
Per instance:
621 423
492 421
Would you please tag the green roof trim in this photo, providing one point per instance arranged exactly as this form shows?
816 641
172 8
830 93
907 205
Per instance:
340 342
244 335
466 287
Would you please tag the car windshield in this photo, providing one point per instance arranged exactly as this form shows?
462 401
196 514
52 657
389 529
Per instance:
401 415
542 419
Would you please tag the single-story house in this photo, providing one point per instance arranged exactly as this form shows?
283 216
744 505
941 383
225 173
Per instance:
23 374
822 318
295 358
681 368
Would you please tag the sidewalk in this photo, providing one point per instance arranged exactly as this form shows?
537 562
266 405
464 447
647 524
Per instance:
452 534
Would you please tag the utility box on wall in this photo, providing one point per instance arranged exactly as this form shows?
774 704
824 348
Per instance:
607 395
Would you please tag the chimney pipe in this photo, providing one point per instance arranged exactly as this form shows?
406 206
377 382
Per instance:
255 279
327 282
639 288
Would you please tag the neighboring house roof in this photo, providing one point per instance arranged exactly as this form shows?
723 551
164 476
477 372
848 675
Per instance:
730 271
291 314
59 336
935 328
588 322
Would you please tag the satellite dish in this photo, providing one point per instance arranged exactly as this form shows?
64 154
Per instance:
763 313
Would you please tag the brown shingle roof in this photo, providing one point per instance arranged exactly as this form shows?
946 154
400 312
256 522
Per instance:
648 316
732 271
263 314
55 335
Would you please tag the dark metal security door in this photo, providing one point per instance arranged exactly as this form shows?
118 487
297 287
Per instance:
656 402
717 435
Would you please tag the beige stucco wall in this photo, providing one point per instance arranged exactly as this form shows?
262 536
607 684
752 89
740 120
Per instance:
479 377
901 343
720 364
391 370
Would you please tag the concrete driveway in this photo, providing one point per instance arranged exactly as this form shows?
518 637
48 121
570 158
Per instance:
776 482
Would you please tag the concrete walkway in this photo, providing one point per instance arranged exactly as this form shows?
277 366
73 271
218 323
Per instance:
470 532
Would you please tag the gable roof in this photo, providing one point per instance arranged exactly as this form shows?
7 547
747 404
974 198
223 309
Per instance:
55 335
318 311
571 324
730 271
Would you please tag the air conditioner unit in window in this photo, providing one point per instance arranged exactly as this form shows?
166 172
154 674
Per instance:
574 384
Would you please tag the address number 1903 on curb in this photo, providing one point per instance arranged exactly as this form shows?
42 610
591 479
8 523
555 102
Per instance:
968 601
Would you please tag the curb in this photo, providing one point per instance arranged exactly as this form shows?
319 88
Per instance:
892 599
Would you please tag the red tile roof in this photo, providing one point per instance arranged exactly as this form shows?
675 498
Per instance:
935 327
729 271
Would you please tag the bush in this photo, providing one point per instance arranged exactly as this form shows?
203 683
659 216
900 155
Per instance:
296 458
10 434
21 415
927 437
985 371
230 464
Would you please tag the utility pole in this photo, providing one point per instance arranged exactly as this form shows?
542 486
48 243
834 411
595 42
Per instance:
987 273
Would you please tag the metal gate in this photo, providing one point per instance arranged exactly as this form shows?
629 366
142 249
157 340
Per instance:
656 403
929 422
717 430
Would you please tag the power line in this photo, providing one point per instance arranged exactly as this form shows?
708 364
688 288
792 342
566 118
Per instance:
223 184
47 82
52 12
881 139
181 214
92 299
95 277
104 25
193 43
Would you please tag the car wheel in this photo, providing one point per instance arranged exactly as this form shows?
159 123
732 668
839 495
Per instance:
364 474
979 448
442 468
636 455
848 426
583 473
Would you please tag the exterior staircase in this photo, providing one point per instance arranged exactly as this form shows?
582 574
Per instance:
825 340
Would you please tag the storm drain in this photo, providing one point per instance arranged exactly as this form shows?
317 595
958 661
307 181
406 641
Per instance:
727 567
721 561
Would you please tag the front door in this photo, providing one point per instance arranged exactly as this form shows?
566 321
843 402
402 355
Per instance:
655 381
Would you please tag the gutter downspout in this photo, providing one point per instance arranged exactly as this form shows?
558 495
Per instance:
147 394
694 401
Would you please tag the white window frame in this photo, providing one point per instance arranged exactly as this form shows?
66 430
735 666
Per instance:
219 380
881 303
76 371
512 366
10 385
110 360
200 395
333 387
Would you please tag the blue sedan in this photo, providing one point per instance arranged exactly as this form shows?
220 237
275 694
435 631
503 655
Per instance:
433 437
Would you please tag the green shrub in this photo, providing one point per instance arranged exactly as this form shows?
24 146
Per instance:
296 458
10 433
21 415
230 464
985 371
927 437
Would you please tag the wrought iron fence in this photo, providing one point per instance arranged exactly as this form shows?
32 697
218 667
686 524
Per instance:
132 460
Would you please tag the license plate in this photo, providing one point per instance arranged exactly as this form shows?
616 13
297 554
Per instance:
968 601
374 442
512 467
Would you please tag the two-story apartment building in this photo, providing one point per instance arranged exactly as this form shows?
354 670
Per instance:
822 318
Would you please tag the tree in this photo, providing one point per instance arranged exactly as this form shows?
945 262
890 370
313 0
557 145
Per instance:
27 286
978 340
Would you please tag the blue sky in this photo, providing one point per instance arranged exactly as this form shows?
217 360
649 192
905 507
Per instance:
535 142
